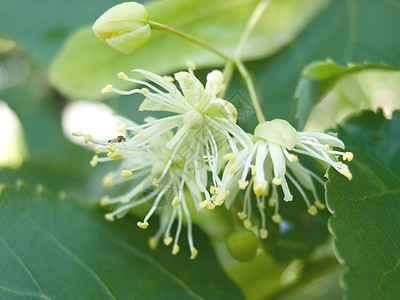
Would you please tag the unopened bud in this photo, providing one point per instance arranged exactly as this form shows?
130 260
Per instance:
124 27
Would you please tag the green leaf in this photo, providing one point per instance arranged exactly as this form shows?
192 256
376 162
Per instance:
365 222
55 248
86 65
342 31
319 78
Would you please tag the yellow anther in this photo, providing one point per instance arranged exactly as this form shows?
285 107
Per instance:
94 161
263 233
168 78
193 252
242 215
213 190
175 249
109 217
346 172
107 89
87 138
348 156
121 127
145 91
115 155
108 180
104 200
210 206
326 147
126 173
77 133
175 201
168 240
122 75
293 158
253 170
221 198
191 65
272 202
259 187
155 182
203 204
319 205
232 169
243 184
153 242
230 156
110 148
247 224
312 210
276 218
277 181
142 225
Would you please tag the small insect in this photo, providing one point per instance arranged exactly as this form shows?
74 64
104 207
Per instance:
118 139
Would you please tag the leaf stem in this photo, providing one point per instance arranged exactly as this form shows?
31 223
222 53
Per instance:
258 11
159 26
252 91
256 15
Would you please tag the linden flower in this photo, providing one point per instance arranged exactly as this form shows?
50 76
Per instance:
273 161
140 166
204 126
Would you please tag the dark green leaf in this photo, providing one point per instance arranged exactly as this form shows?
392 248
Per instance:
366 210
86 65
53 248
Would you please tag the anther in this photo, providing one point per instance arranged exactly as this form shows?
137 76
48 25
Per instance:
276 218
126 173
142 225
193 252
175 249
94 161
312 210
109 217
107 89
122 75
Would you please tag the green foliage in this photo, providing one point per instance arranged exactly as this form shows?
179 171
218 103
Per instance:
365 221
61 249
318 79
342 31
98 64
52 247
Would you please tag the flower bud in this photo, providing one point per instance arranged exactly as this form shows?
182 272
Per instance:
124 27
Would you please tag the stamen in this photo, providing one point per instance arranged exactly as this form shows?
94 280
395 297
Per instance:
122 75
126 173
143 225
107 89
94 161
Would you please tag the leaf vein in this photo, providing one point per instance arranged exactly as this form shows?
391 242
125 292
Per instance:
20 260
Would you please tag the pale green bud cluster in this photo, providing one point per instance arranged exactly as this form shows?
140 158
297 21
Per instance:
124 27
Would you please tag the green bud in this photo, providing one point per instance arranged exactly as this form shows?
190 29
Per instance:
124 27
242 245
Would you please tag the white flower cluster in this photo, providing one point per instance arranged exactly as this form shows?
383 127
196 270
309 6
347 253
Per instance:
199 158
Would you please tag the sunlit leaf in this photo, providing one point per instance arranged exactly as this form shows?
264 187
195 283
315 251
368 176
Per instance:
86 65
318 78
